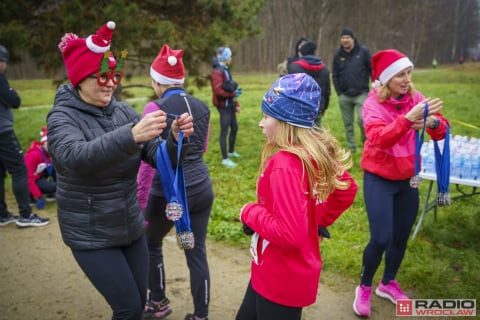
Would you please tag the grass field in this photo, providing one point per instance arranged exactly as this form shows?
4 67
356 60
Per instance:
442 262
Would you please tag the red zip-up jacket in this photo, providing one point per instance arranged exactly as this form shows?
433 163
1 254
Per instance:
33 157
287 263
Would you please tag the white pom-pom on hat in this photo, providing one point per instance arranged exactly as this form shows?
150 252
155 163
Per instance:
172 60
100 41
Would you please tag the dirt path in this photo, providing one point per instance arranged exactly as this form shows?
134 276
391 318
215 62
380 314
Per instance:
39 279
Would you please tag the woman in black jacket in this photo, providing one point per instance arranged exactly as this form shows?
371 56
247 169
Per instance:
96 144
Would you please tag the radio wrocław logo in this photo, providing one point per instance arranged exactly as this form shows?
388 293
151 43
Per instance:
437 307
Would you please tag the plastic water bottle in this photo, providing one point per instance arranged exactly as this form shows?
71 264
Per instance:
429 161
475 172
456 164
466 166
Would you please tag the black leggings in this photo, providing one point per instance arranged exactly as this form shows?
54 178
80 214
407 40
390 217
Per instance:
256 307
199 206
120 275
392 208
228 119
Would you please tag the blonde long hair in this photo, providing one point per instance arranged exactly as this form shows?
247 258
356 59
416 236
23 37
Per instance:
322 158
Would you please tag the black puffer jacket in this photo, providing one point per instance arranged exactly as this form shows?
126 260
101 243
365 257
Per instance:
352 70
96 160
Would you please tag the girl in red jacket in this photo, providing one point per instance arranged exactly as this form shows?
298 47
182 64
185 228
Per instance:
303 188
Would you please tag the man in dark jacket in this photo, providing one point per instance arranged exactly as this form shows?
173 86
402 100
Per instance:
352 68
11 157
307 62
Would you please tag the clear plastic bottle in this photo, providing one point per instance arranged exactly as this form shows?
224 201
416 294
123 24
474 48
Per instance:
456 164
465 172
475 172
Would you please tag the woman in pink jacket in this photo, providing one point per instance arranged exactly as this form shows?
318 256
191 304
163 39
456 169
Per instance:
392 112
303 188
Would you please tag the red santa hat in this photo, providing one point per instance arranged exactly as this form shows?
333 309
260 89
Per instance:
387 63
168 68
43 134
83 56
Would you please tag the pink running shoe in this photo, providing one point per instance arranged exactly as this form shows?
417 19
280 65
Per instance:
361 304
391 291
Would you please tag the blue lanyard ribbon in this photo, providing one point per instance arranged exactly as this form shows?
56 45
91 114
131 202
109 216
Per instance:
442 164
49 165
419 140
174 185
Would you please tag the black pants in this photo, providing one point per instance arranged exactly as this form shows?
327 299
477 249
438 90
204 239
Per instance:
120 275
392 208
47 184
228 120
11 160
256 307
199 207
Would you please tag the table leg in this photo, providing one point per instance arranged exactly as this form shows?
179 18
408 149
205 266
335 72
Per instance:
424 211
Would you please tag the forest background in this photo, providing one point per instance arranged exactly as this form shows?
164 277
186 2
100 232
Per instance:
261 33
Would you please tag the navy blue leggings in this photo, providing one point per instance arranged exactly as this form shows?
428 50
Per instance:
256 307
392 208
120 275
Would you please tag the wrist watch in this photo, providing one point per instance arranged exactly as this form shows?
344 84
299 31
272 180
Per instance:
435 124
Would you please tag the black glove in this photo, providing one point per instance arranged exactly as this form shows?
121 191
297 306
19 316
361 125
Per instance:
229 85
247 230
323 232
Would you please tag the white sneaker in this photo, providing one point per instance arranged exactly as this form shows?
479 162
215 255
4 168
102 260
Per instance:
228 163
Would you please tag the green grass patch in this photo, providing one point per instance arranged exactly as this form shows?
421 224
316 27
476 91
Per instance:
442 262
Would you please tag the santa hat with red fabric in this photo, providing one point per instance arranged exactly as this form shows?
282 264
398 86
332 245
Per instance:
85 56
168 68
387 63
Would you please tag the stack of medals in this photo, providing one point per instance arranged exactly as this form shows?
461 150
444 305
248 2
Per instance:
442 168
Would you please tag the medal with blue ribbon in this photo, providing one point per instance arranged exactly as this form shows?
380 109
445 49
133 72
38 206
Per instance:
442 169
416 179
175 192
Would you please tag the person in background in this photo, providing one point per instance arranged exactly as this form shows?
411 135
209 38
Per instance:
350 74
392 112
225 92
96 144
307 62
11 157
303 187
41 174
168 75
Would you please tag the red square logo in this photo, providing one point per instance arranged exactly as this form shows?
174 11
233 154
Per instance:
404 307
